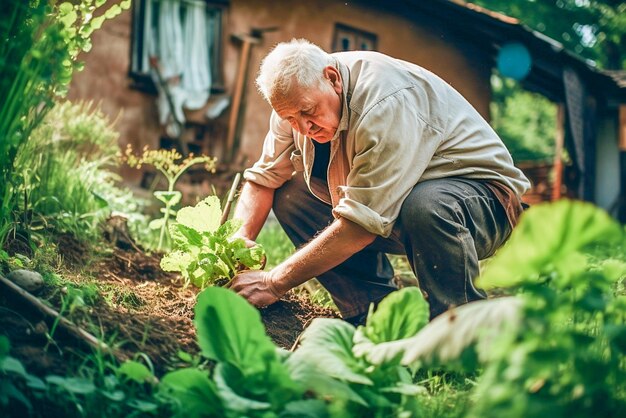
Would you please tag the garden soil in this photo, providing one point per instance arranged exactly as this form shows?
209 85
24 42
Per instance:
138 309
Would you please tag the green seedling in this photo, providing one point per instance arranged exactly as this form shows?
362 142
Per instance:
168 163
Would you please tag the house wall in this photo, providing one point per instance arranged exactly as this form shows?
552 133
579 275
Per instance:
105 81
105 78
420 42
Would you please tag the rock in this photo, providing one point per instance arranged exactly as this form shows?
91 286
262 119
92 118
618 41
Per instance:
30 281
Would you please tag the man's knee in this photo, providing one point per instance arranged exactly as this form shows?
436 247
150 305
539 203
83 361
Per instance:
429 205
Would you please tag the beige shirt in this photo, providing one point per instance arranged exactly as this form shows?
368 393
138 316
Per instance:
400 125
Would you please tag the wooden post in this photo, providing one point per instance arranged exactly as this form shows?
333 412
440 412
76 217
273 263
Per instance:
558 152
622 127
238 92
231 197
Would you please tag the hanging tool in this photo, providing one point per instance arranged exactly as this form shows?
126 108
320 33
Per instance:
234 124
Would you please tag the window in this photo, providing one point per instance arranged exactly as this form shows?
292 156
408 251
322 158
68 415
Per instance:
350 39
182 37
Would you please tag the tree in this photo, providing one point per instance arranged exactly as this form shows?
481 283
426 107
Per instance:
593 29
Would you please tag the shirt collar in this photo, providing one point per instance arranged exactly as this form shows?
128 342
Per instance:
345 102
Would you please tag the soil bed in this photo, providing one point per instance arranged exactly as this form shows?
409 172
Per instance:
138 309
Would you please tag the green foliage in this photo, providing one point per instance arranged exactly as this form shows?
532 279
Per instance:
549 239
203 251
61 172
40 43
250 377
567 357
327 364
193 394
525 121
462 337
399 315
88 395
594 29
169 164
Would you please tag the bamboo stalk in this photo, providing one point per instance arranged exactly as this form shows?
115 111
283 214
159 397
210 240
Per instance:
231 197
70 327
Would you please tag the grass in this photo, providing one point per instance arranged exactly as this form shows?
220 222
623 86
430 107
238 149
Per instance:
447 393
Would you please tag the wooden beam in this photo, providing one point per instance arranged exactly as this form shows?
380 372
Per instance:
68 326
622 127
558 152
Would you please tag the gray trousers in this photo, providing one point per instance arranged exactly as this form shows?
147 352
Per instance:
445 226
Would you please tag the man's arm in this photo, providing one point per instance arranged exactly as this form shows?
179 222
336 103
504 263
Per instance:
253 206
338 242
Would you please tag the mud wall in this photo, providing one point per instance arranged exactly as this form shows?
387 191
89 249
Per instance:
105 78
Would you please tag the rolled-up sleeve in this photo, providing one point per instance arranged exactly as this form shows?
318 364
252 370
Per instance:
274 167
393 147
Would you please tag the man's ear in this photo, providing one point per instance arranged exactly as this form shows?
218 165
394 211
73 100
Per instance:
332 74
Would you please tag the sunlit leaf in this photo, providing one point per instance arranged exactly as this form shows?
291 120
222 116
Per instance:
230 329
204 217
444 339
399 315
176 261
135 371
327 343
546 235
156 223
169 198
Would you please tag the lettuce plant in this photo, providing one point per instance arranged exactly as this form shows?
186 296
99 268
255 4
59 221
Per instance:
322 378
204 252
557 347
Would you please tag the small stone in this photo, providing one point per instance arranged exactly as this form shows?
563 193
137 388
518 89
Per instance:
30 281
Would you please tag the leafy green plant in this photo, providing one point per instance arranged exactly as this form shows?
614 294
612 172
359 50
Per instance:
62 172
14 380
322 378
204 252
172 166
567 359
250 378
41 41
555 349
127 390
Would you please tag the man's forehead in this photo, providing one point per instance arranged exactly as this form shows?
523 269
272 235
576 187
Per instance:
292 104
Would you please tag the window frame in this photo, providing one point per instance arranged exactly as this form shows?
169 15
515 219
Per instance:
358 34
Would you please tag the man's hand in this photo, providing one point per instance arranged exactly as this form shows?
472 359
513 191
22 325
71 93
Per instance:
257 287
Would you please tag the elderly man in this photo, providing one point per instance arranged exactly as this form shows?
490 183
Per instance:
367 155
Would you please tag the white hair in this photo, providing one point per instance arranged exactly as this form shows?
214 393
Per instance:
298 61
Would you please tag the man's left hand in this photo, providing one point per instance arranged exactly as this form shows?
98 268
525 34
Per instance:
256 286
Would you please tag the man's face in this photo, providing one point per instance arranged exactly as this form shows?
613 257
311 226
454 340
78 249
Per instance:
314 112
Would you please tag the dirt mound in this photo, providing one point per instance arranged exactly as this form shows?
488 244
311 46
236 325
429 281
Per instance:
139 309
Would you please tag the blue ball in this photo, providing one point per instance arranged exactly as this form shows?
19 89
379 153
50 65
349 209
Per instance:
514 60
